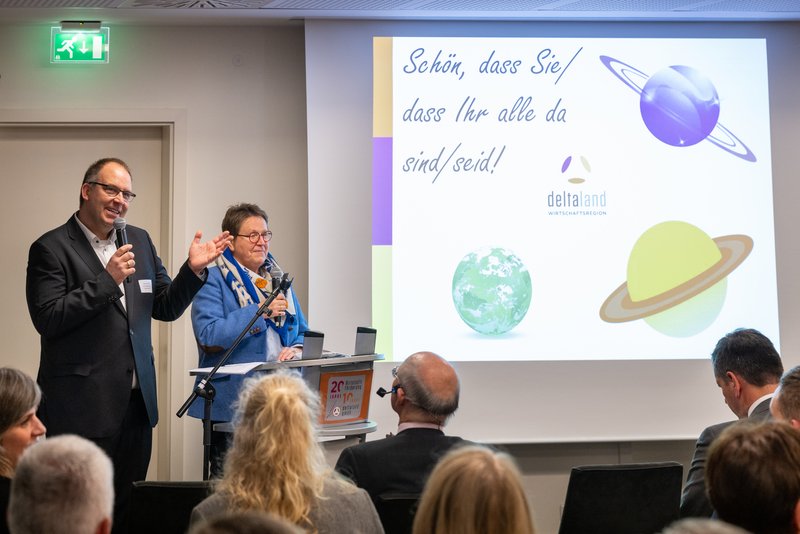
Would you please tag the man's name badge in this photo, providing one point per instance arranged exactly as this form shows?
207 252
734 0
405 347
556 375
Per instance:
146 286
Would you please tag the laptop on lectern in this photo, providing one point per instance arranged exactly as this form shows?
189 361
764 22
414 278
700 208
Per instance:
365 340
312 345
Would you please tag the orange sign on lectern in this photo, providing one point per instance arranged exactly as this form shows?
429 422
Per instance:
345 396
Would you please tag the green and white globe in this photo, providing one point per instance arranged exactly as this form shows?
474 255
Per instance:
491 290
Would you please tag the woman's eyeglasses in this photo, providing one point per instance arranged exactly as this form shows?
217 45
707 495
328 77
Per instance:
255 236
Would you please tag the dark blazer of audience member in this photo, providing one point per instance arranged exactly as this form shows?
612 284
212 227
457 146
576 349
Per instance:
474 490
64 484
425 394
19 428
785 405
753 477
276 464
747 369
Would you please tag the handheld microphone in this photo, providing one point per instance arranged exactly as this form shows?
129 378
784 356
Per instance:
275 272
280 283
122 234
285 284
122 237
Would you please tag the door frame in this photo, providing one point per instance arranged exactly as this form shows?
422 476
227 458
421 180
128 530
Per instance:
174 383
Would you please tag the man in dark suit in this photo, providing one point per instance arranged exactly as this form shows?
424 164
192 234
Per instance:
92 303
747 369
424 395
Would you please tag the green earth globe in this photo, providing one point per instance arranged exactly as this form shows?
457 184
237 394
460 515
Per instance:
491 290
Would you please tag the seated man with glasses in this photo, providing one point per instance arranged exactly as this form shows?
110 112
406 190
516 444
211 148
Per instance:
424 394
244 277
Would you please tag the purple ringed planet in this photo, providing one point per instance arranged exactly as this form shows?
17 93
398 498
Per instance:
720 135
619 308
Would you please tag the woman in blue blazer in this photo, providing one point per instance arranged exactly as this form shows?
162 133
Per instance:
238 284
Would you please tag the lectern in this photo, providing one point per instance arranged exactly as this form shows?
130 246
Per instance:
344 384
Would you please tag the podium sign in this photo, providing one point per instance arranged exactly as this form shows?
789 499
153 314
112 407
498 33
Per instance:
345 396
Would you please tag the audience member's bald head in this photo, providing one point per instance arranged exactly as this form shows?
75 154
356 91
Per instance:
429 389
785 405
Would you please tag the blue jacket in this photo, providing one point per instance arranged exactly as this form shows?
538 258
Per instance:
217 320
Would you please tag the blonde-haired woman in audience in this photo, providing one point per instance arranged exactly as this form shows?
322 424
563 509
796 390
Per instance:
276 465
19 427
474 490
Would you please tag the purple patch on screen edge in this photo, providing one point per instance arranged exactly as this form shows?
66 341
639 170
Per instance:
382 191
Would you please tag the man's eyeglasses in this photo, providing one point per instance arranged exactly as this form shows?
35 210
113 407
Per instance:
112 191
255 236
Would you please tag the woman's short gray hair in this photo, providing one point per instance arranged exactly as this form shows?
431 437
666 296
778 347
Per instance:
18 395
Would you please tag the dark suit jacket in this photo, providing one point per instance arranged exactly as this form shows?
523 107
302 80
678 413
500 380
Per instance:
90 345
398 464
694 501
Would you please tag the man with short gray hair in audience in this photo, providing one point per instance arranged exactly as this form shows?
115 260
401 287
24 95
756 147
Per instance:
747 369
64 484
424 394
785 405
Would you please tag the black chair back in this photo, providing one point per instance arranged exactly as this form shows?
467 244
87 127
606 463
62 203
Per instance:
622 499
165 506
396 511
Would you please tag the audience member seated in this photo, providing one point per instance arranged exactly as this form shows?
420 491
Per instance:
19 427
65 485
425 394
474 490
753 477
785 405
276 465
747 369
246 523
698 525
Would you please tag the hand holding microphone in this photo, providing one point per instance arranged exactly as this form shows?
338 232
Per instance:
280 281
278 308
121 265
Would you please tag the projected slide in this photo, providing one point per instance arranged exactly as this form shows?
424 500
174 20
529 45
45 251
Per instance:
571 199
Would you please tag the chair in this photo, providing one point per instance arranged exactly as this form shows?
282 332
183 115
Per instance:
396 511
165 506
622 499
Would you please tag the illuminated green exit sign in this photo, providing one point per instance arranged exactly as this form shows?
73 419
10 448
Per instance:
78 46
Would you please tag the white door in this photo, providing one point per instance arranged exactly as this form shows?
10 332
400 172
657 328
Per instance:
41 170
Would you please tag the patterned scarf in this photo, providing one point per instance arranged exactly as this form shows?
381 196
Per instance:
248 286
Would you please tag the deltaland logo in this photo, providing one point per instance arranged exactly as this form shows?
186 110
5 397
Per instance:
572 204
579 203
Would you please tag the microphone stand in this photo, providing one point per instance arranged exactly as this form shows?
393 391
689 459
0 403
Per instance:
206 390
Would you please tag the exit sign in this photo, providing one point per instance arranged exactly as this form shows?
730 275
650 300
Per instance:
78 46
